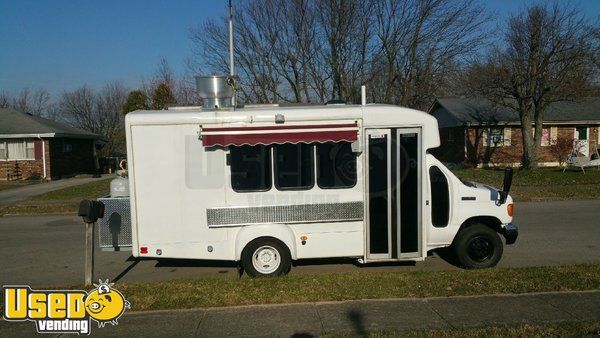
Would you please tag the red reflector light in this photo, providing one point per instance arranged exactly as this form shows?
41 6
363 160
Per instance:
510 209
144 250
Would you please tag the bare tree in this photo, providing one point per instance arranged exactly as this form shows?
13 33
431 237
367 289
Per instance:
34 103
100 113
5 99
550 55
254 51
345 27
185 92
164 74
79 108
421 43
304 51
110 102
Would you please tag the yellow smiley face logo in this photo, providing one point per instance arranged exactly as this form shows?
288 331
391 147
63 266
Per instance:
105 307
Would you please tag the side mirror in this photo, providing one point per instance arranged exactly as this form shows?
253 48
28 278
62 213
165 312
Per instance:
508 176
90 211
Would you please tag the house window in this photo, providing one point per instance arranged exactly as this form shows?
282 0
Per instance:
545 137
66 146
250 168
336 165
17 150
549 136
294 168
495 137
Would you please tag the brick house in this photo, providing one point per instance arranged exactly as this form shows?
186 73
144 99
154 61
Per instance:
35 147
474 132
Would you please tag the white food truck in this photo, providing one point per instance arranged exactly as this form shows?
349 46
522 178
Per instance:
264 185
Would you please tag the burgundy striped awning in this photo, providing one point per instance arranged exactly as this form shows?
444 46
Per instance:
278 134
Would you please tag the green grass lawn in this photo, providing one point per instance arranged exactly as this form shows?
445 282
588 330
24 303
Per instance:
542 184
77 193
217 292
60 201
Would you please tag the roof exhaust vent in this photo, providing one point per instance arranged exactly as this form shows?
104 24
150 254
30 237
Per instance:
216 91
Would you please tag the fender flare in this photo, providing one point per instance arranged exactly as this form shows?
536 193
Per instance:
282 232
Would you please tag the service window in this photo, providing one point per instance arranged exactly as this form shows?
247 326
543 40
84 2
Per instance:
250 168
336 165
440 197
294 166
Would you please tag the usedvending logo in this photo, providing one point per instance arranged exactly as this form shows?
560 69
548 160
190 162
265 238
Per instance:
64 311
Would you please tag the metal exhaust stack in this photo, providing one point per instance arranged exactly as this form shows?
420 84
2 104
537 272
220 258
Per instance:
218 92
215 91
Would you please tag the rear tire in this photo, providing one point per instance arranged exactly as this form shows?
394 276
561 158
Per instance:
265 257
477 247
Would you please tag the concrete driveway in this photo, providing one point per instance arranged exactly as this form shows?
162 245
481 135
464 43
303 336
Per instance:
48 250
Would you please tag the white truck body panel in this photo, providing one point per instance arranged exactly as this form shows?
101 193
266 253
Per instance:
175 180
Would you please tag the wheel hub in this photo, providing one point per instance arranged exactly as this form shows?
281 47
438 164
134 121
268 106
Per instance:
266 259
480 249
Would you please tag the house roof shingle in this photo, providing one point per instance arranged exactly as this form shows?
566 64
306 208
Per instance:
454 112
14 123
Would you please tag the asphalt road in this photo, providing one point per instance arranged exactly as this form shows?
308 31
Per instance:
48 250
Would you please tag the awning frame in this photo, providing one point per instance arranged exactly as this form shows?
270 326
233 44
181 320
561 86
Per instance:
279 134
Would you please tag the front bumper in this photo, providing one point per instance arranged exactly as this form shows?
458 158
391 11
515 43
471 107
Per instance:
510 232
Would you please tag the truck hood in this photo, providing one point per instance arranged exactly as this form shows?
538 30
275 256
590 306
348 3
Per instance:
483 189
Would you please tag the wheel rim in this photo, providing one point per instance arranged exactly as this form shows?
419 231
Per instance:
480 249
266 259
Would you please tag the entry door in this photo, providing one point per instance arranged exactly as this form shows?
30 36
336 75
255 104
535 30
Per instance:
581 141
393 193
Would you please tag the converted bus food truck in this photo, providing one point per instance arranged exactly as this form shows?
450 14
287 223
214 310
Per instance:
267 184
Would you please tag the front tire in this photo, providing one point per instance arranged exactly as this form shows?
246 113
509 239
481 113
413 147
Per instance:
267 256
477 247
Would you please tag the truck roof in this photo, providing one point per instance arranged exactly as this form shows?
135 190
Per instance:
370 116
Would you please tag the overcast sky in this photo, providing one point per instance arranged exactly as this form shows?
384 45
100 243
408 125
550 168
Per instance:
63 44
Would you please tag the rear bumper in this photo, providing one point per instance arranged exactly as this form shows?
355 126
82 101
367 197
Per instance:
510 232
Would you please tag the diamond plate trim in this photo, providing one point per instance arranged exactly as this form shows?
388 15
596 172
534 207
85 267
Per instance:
115 227
303 213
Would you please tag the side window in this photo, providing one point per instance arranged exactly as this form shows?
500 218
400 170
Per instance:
336 165
294 166
250 168
440 197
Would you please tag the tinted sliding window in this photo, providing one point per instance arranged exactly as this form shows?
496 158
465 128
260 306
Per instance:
294 166
250 168
440 198
336 165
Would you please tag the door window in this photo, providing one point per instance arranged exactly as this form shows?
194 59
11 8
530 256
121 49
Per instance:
581 133
440 197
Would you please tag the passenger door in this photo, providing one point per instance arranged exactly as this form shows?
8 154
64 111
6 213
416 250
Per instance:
393 193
